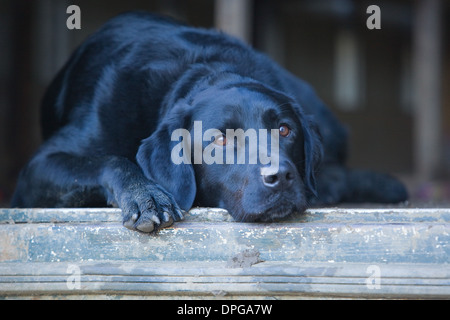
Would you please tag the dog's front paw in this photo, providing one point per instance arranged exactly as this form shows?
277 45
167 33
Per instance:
146 208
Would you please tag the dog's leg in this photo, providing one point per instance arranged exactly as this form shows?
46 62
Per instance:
66 180
332 185
370 186
336 183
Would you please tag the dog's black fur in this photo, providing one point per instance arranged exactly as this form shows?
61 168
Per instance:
109 115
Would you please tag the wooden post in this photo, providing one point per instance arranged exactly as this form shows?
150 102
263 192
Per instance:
6 72
235 17
19 144
53 46
427 87
269 35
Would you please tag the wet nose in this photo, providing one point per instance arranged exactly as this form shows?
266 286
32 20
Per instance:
282 178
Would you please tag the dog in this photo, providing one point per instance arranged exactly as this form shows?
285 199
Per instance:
109 116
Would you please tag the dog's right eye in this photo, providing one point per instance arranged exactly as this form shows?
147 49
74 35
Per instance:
220 140
285 131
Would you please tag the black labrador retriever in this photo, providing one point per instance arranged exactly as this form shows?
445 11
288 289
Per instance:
110 117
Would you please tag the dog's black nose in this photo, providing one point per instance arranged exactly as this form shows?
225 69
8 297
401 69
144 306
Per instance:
284 177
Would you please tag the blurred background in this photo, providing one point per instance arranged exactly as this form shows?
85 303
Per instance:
390 86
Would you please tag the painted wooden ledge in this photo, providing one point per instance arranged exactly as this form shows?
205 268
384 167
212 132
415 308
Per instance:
358 253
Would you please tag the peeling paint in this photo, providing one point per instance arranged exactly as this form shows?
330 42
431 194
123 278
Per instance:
197 240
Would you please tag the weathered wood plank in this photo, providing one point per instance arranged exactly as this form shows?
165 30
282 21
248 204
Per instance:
428 243
213 279
322 253
323 215
339 235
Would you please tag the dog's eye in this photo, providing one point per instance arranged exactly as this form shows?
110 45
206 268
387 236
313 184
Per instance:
220 140
284 130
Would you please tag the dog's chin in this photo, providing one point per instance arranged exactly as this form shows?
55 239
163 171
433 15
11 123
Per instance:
270 214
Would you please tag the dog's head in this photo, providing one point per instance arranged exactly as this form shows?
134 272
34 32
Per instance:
237 144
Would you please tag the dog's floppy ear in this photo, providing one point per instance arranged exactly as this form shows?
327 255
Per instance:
312 149
313 152
154 157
